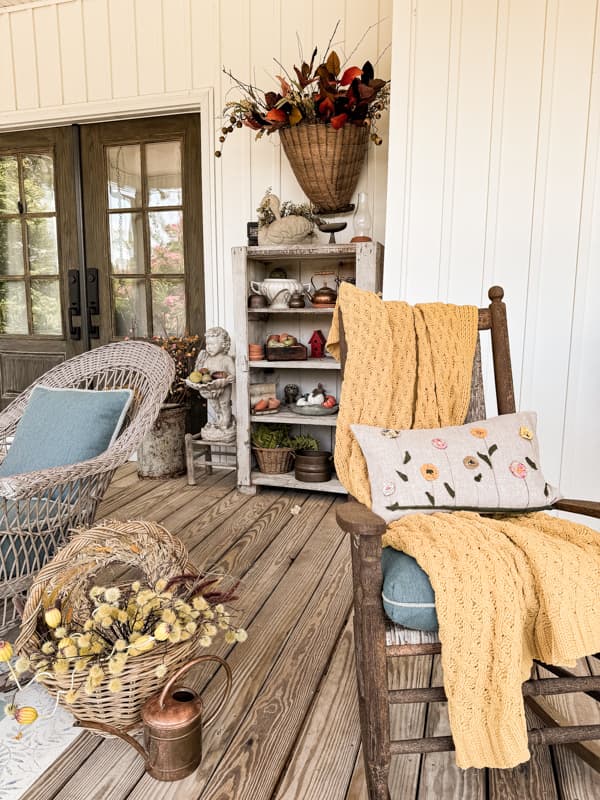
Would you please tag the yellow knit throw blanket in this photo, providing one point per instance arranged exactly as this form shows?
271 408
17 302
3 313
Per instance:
507 589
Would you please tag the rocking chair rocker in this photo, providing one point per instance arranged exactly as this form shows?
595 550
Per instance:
377 638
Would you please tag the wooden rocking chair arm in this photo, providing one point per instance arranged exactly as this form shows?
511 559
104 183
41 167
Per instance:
353 517
590 508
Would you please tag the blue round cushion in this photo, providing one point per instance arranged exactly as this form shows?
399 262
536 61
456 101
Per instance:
408 597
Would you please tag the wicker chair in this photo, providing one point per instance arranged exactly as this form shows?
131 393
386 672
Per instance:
37 509
377 639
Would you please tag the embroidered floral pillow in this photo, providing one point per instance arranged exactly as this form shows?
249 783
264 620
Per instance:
491 465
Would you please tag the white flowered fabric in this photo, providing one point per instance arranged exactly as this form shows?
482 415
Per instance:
492 465
24 759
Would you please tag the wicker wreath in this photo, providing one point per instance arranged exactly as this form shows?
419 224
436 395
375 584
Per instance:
144 546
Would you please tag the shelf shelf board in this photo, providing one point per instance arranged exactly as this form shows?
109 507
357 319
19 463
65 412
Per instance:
288 481
288 417
310 363
254 313
285 252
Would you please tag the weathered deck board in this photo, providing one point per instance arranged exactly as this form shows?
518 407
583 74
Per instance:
315 771
290 730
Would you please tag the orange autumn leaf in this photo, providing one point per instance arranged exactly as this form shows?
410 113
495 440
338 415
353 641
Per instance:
276 115
349 75
339 121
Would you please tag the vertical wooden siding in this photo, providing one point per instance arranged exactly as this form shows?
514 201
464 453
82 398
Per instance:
494 179
59 59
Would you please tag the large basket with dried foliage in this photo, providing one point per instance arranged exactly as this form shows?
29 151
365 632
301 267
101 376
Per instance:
103 650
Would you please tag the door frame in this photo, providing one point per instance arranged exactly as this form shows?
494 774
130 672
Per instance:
201 101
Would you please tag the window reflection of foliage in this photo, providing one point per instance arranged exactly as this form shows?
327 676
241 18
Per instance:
167 256
13 314
9 184
129 319
168 307
45 307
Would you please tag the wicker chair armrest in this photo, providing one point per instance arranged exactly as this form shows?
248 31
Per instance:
353 517
590 508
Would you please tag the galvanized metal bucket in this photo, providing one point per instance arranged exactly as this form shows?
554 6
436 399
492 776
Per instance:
162 453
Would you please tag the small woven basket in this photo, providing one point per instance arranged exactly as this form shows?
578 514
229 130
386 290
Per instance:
274 459
155 553
326 162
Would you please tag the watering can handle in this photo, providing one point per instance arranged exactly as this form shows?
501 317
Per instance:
104 728
189 665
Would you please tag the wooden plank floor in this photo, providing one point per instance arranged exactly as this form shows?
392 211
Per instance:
290 730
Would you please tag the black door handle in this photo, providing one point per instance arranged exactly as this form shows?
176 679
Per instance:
93 302
74 309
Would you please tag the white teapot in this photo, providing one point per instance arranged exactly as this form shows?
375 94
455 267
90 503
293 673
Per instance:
277 290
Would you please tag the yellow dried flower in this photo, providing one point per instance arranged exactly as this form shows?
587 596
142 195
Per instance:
25 715
145 596
169 616
70 651
89 687
81 664
96 591
191 627
144 643
96 672
106 622
220 608
204 641
88 625
60 633
84 641
96 648
168 630
120 645
223 624
61 666
71 696
208 614
48 648
160 671
103 610
66 642
115 685
230 637
182 608
210 629
22 664
136 585
133 637
116 663
112 594
52 618
241 635
161 585
199 603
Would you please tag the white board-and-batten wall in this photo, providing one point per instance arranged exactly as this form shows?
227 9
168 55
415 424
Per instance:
87 60
494 179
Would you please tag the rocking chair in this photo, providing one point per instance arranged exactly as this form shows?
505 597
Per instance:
377 638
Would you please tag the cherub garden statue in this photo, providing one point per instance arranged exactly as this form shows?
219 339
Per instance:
213 377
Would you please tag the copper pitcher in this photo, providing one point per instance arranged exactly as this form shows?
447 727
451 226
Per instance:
172 722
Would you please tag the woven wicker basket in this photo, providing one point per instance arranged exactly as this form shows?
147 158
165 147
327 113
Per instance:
274 459
326 162
152 551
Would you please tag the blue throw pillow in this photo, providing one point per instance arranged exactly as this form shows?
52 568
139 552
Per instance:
65 426
408 597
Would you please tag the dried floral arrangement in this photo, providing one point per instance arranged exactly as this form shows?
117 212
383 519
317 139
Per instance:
286 209
320 91
125 623
184 352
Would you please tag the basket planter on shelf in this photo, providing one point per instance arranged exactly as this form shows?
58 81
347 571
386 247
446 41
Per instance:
274 460
326 162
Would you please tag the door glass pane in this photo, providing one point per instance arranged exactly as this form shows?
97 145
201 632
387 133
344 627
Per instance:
42 246
38 181
163 167
11 247
124 176
129 307
45 307
168 307
13 308
9 184
126 242
166 241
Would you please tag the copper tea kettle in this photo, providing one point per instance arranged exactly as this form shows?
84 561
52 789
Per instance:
172 722
325 296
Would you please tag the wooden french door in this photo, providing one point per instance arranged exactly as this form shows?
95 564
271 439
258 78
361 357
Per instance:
40 250
100 239
142 194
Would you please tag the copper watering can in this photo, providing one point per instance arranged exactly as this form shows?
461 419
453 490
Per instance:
172 722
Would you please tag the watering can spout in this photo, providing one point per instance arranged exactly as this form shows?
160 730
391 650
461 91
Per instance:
172 721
